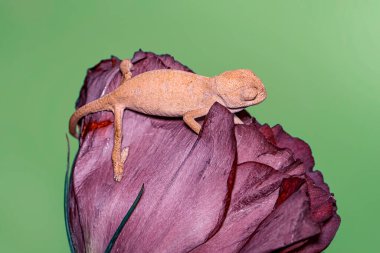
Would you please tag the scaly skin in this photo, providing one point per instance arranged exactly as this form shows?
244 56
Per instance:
172 93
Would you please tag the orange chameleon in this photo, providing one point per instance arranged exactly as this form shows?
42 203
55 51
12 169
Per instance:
172 93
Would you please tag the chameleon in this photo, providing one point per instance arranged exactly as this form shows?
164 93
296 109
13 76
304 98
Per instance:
171 93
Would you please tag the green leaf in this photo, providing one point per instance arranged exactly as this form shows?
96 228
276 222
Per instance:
125 219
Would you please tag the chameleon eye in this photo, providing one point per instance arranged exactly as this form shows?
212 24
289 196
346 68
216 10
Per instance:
248 94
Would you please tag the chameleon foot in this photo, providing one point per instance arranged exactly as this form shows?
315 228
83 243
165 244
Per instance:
119 167
118 172
125 67
117 178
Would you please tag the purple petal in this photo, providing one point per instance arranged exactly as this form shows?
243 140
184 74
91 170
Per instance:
300 149
185 199
146 61
322 202
96 78
74 221
288 187
290 223
253 146
320 242
253 198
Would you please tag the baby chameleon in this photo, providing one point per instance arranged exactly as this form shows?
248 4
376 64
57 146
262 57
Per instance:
172 93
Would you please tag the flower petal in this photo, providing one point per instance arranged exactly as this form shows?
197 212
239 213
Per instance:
300 149
146 61
253 146
185 197
187 201
320 242
253 198
289 223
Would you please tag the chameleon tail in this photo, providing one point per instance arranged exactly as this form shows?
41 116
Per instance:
97 105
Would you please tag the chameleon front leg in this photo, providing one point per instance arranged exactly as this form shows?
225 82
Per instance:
190 117
125 67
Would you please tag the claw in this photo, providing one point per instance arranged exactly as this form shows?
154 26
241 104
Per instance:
117 178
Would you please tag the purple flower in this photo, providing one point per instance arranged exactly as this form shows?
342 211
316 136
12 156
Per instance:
233 188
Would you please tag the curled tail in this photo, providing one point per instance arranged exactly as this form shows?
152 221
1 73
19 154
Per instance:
97 105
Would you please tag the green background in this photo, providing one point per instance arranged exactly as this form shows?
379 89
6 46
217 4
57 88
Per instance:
319 60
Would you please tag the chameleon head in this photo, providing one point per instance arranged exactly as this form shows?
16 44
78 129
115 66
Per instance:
239 89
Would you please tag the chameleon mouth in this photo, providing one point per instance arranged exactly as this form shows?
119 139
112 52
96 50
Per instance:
240 108
260 97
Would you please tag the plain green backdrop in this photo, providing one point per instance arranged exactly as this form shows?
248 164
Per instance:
319 60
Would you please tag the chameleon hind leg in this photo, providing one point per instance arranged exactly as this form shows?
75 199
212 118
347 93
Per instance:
119 155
